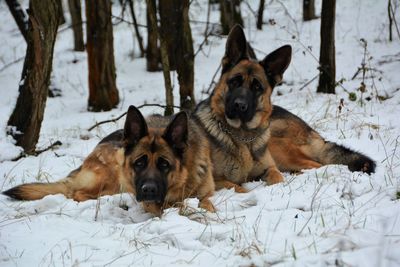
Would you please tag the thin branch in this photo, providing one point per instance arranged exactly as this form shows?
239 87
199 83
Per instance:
205 42
123 114
11 63
310 81
251 10
126 21
395 22
207 22
136 26
212 80
390 20
38 152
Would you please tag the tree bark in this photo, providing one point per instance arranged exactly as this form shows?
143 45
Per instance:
327 52
152 19
230 14
260 14
61 13
20 17
175 30
152 51
308 10
76 18
27 116
170 18
103 92
138 35
185 61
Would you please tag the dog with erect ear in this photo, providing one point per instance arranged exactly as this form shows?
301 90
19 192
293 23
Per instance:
253 139
160 160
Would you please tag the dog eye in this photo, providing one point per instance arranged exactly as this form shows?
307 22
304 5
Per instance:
257 86
236 81
140 163
163 165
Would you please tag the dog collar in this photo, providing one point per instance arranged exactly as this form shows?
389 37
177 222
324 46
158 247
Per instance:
247 140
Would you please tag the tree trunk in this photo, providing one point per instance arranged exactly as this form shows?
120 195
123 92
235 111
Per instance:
230 14
76 17
260 14
152 19
34 85
21 18
175 30
138 36
103 92
308 10
185 61
152 51
169 24
327 51
61 13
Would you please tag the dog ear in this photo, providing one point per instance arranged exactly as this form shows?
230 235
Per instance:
176 133
135 126
236 48
276 63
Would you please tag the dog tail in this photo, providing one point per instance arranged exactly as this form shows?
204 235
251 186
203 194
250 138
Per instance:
34 191
332 153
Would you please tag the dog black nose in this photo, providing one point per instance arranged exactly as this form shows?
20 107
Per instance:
150 190
240 105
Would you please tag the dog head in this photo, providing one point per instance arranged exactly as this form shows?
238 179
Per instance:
243 95
153 155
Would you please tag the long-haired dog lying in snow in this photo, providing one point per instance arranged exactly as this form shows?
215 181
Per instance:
253 139
161 160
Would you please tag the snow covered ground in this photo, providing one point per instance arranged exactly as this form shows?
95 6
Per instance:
322 217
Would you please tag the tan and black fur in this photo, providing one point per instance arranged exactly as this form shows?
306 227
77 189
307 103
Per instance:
161 160
251 138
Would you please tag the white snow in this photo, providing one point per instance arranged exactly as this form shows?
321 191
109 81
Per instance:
322 217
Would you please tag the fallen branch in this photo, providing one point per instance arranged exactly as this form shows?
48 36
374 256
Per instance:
38 152
123 114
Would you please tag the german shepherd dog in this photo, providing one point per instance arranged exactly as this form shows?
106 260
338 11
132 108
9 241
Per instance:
252 139
161 161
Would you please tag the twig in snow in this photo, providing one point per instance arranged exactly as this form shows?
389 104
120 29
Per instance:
123 114
37 152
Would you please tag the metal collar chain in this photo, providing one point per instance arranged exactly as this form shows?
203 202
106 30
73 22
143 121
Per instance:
236 137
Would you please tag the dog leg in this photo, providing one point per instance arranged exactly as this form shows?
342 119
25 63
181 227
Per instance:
219 184
274 176
206 204
82 195
153 208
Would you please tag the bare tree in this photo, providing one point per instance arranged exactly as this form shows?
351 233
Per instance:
327 51
103 92
260 14
26 119
175 29
20 17
308 10
230 14
135 25
152 19
76 17
61 12
152 50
